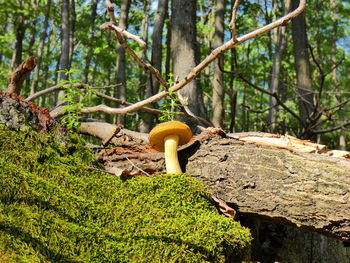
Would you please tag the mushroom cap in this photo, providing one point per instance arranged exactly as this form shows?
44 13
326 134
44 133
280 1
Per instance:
158 133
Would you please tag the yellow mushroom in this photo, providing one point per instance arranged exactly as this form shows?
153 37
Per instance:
166 137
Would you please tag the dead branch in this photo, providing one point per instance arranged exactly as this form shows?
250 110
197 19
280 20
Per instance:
338 127
275 95
60 87
232 24
196 70
146 66
17 78
60 111
111 25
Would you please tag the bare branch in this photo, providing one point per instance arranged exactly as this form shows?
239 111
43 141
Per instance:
337 107
146 66
232 24
196 70
275 95
338 127
111 25
60 87
59 112
134 165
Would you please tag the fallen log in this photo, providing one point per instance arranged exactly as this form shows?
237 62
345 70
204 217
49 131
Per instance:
308 190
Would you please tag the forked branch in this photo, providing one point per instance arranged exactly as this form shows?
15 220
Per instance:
196 70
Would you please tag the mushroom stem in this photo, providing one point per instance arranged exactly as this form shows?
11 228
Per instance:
170 150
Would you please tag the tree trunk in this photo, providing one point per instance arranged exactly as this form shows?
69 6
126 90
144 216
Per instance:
65 44
72 31
218 79
20 28
280 44
183 41
302 67
144 77
156 58
39 55
90 37
121 68
342 140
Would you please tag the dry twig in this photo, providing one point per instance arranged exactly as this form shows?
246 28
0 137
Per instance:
111 25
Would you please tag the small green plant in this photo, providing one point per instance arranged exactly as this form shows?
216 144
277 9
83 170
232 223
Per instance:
73 99
170 104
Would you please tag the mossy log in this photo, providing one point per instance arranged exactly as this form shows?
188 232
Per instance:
307 190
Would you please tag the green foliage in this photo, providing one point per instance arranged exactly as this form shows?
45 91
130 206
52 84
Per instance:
170 104
253 58
53 209
73 98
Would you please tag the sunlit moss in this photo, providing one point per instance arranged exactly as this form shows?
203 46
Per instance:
54 209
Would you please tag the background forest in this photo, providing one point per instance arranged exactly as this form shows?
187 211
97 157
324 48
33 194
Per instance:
291 80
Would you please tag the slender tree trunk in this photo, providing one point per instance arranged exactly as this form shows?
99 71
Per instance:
280 44
168 50
90 37
45 73
20 25
218 79
156 59
72 31
120 63
144 78
244 111
302 67
39 55
65 44
342 141
4 29
144 34
233 92
183 46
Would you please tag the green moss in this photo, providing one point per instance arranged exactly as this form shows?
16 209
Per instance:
53 209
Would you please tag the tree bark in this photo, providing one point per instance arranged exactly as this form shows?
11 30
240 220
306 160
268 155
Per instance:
183 41
156 58
302 67
65 44
72 31
335 20
39 56
121 68
280 44
90 37
218 79
20 26
307 190
144 78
